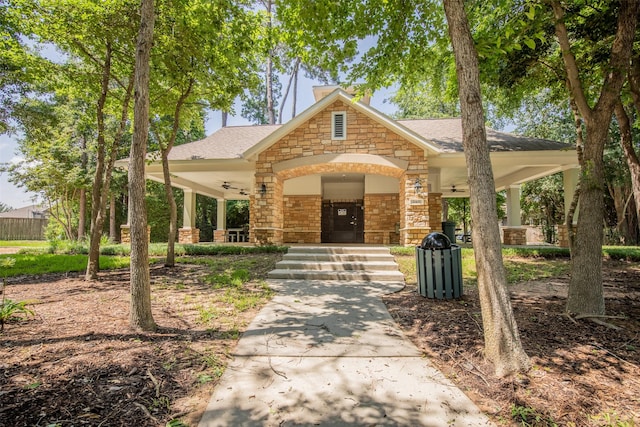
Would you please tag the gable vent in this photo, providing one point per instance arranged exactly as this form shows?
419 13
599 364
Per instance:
339 125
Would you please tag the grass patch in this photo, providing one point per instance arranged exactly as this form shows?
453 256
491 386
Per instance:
521 264
24 243
33 264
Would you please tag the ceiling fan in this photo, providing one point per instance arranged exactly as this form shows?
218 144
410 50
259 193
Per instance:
456 190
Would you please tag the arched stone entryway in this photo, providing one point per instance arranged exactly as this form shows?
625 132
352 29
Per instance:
376 204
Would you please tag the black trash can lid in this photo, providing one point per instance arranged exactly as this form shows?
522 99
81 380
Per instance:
436 241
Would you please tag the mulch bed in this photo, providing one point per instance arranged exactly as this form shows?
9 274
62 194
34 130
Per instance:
583 374
77 363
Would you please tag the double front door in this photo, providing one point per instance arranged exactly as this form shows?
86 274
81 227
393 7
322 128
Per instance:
342 222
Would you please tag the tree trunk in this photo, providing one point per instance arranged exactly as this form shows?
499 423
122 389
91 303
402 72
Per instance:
104 172
140 307
225 117
82 208
93 263
271 112
294 97
585 286
502 340
173 212
626 141
113 236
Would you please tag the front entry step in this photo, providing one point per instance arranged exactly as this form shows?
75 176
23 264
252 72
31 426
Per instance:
338 263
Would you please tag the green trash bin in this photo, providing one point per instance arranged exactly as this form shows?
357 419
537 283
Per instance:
449 229
439 269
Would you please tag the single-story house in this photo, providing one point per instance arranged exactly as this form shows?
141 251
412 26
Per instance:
343 172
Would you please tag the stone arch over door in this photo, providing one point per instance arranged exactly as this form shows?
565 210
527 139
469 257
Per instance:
297 218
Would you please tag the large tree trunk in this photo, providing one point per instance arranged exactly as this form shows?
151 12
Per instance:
502 340
140 308
585 287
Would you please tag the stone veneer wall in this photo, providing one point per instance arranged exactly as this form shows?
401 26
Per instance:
312 138
381 219
302 219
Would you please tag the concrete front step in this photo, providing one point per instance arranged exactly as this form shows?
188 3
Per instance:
380 276
353 263
338 250
333 265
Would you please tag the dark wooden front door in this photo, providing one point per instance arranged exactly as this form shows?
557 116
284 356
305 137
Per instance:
342 222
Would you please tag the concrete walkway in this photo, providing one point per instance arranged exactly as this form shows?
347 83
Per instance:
328 353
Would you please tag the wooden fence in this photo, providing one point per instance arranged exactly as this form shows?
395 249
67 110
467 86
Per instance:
22 228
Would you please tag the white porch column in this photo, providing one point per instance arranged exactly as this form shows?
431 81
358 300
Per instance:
219 235
514 233
570 179
513 206
189 218
189 233
221 217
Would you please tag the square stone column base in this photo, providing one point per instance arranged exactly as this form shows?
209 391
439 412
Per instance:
516 236
189 235
219 236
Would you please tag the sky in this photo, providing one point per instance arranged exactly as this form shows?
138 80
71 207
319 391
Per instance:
15 197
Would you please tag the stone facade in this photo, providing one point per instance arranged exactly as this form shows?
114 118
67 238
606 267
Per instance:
363 136
188 235
381 219
514 236
302 219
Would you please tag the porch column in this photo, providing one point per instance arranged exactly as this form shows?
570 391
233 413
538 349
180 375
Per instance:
570 178
415 220
514 233
266 211
189 233
221 221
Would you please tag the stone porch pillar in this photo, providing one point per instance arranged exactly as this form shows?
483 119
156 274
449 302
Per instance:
189 233
266 211
415 222
514 233
221 221
570 180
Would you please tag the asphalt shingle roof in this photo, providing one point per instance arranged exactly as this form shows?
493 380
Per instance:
231 142
447 133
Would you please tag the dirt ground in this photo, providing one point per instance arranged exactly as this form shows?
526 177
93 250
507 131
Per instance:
583 374
77 363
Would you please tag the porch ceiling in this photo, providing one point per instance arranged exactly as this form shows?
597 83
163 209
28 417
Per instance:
509 168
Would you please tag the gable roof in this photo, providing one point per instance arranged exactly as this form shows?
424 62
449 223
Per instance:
31 211
434 135
340 94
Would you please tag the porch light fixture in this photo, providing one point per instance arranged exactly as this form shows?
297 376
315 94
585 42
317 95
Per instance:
417 186
263 189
